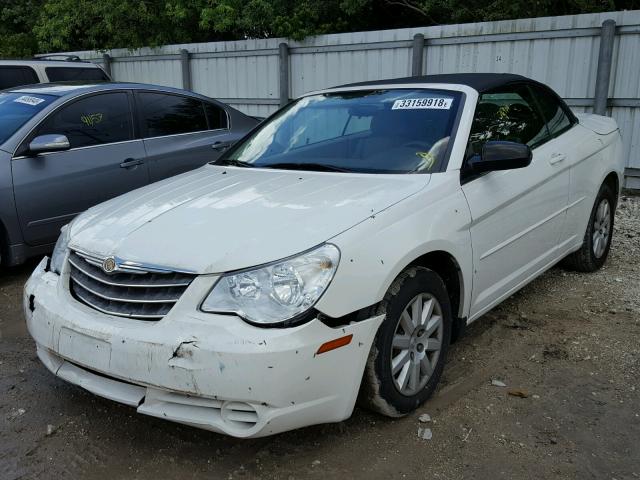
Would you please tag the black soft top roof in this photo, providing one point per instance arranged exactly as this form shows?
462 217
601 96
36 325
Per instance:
481 82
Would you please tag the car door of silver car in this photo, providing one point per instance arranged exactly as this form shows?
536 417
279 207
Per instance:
104 160
181 132
518 215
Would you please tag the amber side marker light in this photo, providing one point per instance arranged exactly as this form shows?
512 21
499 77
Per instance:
333 344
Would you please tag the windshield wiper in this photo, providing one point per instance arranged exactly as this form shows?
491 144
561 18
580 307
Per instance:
317 167
233 163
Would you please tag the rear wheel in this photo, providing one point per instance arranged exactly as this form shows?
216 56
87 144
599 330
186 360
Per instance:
408 355
597 239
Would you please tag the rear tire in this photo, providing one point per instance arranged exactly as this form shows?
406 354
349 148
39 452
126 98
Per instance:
408 355
597 238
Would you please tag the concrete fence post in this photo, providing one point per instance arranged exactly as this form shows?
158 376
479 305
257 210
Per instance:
283 58
605 60
106 64
417 55
185 65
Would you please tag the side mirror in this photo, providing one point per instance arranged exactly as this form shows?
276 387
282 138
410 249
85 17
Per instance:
49 143
501 155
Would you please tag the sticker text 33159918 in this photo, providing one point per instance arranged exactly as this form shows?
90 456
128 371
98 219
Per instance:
438 103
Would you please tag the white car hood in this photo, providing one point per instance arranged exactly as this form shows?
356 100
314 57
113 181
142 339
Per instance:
217 219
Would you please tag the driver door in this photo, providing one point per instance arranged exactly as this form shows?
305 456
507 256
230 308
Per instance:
517 215
104 161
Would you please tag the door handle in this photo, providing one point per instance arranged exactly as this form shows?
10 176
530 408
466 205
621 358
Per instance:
220 146
131 162
557 158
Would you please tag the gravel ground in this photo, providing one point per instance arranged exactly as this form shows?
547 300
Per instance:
568 343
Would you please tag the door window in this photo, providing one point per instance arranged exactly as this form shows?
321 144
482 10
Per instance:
170 114
507 114
552 110
216 117
95 120
14 76
68 74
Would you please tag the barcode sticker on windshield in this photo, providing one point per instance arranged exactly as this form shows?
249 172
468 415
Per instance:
27 100
434 103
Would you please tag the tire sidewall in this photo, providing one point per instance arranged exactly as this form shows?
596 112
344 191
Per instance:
414 282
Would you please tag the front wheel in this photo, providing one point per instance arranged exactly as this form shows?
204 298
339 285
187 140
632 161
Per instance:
409 352
597 239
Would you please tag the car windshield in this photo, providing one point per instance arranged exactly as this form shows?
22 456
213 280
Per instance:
16 109
374 131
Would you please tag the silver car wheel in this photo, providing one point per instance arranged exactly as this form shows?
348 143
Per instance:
601 228
417 342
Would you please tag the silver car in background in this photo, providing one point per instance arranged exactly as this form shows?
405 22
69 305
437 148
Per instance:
65 147
49 68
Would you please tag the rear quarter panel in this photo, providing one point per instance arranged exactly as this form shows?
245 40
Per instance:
597 155
240 123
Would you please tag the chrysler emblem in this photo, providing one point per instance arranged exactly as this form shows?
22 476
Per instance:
109 264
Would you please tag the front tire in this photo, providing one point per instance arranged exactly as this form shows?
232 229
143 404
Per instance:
597 238
410 349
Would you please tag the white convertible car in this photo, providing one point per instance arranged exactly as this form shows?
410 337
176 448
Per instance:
332 255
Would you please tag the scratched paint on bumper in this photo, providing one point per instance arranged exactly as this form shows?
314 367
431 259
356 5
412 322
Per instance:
211 371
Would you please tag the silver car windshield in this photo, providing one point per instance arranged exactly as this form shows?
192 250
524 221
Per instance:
16 109
375 131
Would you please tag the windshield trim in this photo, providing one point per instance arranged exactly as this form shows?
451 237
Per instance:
443 165
448 87
438 168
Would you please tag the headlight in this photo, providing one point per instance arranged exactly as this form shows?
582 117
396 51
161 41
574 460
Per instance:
275 293
60 250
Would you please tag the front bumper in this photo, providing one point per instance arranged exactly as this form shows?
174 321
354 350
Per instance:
211 371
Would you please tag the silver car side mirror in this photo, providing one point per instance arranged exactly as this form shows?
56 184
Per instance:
49 143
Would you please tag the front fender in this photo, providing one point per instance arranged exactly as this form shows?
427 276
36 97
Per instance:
374 252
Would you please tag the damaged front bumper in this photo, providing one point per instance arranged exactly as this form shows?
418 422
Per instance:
211 371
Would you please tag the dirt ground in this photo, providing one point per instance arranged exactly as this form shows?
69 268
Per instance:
570 341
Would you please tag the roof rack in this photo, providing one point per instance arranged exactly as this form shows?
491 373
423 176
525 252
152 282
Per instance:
59 57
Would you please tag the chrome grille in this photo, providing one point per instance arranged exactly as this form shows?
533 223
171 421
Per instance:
132 291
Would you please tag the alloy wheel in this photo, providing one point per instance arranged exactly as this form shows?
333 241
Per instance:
601 228
417 343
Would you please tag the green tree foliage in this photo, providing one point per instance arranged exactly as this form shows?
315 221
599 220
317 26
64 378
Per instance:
285 18
104 24
457 11
30 26
16 24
